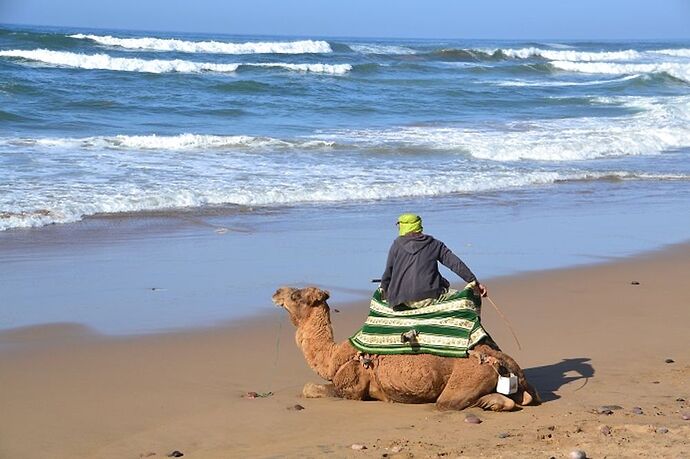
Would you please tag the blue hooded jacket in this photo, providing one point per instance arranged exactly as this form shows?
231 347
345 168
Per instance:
412 273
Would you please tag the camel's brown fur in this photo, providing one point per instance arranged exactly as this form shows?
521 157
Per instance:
453 383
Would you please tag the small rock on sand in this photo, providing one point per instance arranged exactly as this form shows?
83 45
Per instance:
669 360
606 430
472 419
358 447
637 410
176 453
297 407
612 407
149 454
634 283
577 454
603 410
685 415
503 435
251 395
661 430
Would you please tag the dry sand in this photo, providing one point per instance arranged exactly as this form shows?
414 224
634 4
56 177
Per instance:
589 336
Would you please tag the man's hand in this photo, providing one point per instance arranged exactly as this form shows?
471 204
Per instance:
481 290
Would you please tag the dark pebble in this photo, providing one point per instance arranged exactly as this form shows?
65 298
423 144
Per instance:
472 419
634 283
679 399
669 360
662 430
503 435
612 407
176 453
637 410
336 310
655 382
296 407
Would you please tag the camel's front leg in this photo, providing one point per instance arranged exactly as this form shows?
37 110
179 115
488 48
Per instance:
311 390
467 386
352 381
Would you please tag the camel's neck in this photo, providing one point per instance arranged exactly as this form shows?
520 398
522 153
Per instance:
315 338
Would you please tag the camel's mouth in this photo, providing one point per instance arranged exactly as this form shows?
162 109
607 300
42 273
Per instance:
277 299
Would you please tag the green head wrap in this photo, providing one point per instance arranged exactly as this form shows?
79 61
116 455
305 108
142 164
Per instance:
409 223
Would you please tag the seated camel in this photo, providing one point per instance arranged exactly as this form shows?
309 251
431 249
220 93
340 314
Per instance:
452 383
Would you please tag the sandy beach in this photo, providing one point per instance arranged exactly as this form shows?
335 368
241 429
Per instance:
606 346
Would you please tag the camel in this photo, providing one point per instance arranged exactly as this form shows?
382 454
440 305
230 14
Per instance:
452 383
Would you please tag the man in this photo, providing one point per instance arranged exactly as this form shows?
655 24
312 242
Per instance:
412 277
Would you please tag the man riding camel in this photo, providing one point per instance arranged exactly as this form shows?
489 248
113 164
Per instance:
411 277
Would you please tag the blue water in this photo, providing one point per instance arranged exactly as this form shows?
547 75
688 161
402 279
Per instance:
96 121
544 154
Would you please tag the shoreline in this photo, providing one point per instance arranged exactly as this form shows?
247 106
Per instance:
129 275
79 331
589 337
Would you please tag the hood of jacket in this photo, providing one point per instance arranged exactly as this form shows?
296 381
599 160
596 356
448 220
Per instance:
413 243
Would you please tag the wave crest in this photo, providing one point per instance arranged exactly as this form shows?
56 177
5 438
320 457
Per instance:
680 71
106 62
212 47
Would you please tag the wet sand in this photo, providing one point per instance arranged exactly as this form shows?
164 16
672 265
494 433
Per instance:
590 337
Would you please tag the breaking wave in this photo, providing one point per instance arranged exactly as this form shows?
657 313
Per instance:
161 142
568 55
680 71
657 125
332 186
106 62
213 47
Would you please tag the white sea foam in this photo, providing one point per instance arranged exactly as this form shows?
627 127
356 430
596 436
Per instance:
519 83
335 183
677 70
681 52
658 125
179 142
568 55
106 62
215 47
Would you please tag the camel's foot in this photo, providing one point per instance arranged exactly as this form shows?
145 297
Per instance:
495 402
311 390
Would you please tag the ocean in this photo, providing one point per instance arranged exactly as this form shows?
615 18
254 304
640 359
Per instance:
541 138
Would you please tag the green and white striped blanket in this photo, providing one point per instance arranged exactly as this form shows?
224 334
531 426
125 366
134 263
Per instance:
449 327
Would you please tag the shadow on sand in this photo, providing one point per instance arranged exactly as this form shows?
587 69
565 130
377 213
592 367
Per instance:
549 378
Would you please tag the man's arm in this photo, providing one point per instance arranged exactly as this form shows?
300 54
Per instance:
452 262
455 264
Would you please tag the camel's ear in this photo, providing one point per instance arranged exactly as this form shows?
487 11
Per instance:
314 296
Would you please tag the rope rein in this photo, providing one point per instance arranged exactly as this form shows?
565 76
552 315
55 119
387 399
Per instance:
505 319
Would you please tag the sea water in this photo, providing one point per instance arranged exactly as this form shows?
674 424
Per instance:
537 154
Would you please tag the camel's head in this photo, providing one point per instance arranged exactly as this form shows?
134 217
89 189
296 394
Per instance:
300 303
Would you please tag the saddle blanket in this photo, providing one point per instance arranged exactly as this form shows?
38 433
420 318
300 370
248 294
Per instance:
449 326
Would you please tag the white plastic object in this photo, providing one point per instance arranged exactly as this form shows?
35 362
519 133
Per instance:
507 385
